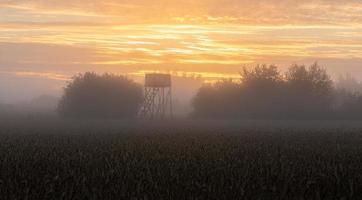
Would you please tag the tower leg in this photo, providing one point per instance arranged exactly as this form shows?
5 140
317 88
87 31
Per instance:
157 103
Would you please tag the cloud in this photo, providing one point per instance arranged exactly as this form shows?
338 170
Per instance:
44 42
206 35
202 11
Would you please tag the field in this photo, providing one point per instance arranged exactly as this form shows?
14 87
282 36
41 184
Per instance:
54 159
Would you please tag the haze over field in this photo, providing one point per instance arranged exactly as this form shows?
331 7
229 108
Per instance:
45 42
265 103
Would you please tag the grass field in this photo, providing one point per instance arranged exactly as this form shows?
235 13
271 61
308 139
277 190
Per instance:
54 159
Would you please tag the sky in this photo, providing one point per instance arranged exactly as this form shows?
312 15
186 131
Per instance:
45 42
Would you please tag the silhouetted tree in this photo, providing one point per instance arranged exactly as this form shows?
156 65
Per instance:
101 96
351 109
260 75
264 92
348 98
309 92
217 100
261 90
349 84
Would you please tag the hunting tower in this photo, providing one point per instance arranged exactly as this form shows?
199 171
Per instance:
158 96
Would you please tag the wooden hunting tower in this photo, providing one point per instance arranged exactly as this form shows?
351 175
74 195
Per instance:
158 96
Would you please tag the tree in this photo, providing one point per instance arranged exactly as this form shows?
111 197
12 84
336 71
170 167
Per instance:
310 91
261 92
351 107
101 96
260 74
256 96
349 84
264 92
217 100
348 98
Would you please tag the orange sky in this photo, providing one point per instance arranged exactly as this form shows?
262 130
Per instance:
53 40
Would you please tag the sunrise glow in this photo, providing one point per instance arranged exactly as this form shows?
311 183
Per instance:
203 37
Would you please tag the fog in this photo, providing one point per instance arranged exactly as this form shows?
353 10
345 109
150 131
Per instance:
34 94
37 93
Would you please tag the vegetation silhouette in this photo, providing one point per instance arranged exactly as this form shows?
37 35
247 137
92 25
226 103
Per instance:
265 92
101 96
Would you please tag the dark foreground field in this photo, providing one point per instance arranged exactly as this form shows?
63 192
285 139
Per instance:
51 159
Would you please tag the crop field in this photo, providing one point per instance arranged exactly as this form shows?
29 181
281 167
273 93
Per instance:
51 159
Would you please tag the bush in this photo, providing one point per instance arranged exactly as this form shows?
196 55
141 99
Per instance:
101 96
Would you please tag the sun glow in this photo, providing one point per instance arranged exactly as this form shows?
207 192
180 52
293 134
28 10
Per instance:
194 36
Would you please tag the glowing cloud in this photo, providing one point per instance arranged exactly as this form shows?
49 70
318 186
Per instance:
196 36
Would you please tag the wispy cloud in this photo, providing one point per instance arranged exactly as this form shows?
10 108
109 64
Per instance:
45 75
208 35
202 11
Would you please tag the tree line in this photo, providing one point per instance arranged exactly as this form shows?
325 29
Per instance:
263 92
